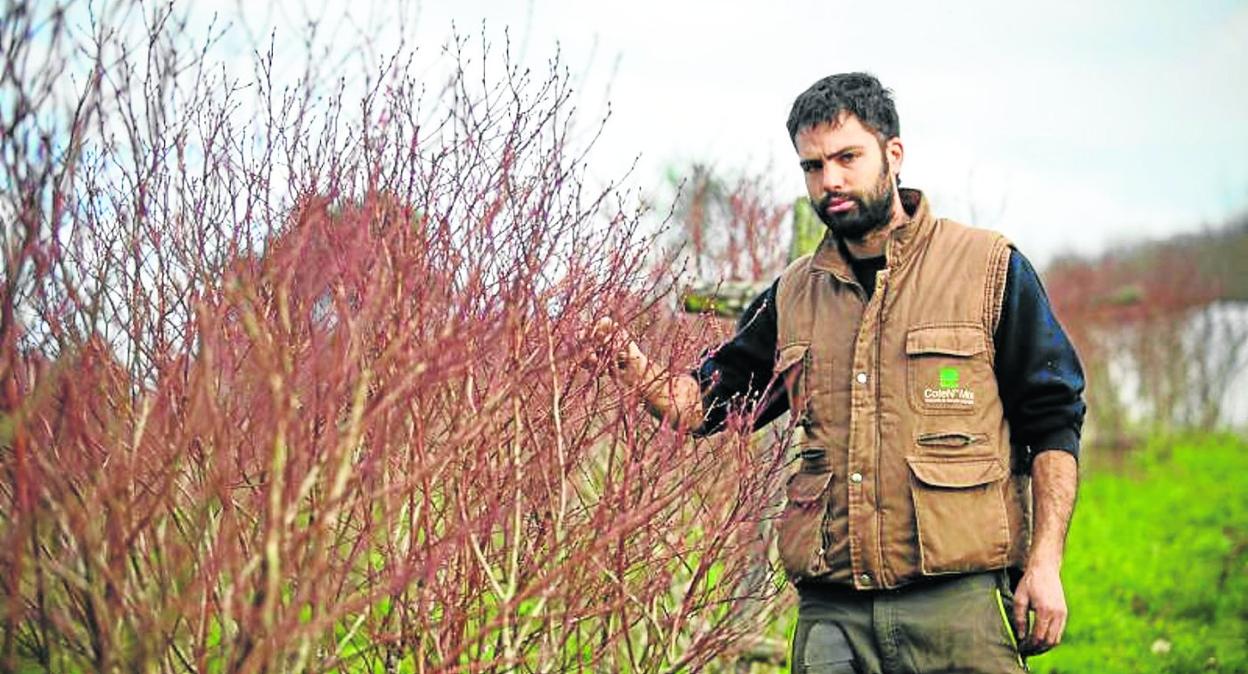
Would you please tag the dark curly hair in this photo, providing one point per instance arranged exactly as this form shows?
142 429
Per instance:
860 94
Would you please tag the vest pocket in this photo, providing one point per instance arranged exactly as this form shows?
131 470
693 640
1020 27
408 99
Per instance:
953 444
799 532
960 514
790 371
947 369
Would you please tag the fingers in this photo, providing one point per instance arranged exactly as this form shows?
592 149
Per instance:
606 334
609 344
599 335
1040 597
1036 641
603 327
1048 620
1022 603
1047 629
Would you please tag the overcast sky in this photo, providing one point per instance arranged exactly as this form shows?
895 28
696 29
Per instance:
1067 125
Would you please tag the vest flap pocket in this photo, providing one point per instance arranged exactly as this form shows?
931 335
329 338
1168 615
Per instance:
949 340
948 369
790 355
799 531
957 474
808 484
790 371
960 515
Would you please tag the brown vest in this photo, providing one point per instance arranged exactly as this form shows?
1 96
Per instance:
905 452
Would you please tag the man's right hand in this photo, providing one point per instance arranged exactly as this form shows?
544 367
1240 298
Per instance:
674 398
613 346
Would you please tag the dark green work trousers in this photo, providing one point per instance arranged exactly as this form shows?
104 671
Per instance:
957 624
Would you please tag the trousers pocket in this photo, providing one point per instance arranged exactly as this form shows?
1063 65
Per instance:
822 648
1005 608
799 531
960 514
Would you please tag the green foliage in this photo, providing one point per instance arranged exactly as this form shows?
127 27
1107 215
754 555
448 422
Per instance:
728 299
1155 566
808 230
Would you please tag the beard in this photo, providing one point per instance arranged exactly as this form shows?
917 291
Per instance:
873 209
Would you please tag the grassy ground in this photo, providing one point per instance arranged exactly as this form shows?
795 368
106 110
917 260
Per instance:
1156 570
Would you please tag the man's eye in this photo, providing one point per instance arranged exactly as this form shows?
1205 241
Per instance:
848 157
811 166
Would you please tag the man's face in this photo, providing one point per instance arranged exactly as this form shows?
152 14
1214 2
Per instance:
849 175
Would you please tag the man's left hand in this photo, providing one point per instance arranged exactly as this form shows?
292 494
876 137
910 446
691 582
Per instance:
1040 591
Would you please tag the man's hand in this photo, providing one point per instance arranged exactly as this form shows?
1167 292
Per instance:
1054 477
1040 590
674 398
612 345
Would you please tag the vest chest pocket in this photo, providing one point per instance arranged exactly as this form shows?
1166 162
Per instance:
947 369
799 533
960 513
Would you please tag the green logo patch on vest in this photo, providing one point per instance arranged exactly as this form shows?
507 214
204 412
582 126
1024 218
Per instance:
949 391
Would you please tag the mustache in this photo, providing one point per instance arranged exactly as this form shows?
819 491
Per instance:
830 196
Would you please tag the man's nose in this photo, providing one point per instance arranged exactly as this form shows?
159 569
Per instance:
833 178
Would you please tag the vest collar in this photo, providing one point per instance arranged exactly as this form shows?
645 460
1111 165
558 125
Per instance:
831 256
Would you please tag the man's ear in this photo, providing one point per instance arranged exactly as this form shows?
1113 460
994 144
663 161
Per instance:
895 153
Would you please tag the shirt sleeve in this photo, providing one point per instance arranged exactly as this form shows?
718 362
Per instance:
736 376
1039 376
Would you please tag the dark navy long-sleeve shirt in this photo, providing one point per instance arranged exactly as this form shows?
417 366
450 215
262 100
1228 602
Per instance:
1039 377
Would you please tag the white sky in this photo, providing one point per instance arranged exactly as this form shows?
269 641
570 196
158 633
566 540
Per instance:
1065 124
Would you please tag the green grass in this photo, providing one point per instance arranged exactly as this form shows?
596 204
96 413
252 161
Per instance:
1156 570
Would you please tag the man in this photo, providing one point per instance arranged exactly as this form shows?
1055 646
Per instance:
940 404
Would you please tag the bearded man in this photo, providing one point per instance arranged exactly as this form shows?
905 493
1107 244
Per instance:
940 406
